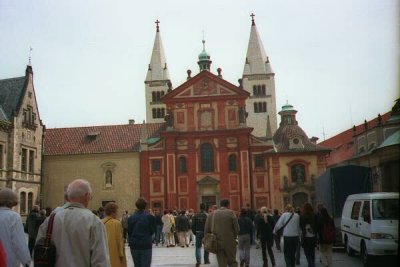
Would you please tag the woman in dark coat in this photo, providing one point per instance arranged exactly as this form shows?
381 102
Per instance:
264 233
325 237
308 225
245 232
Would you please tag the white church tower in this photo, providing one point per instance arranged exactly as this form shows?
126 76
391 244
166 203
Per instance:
258 79
157 81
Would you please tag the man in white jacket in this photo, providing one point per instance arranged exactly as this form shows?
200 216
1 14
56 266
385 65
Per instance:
290 222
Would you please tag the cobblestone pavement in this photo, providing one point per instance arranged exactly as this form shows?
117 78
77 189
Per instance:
177 256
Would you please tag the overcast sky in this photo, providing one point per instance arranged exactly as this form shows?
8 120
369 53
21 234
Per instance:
335 61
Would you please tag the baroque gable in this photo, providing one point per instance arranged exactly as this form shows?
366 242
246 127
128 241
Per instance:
205 84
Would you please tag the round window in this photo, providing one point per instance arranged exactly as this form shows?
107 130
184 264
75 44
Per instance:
295 141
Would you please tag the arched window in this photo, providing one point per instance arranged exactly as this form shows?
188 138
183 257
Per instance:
153 96
182 165
255 107
22 202
232 162
154 113
109 178
162 113
263 89
298 173
264 107
207 157
30 201
254 90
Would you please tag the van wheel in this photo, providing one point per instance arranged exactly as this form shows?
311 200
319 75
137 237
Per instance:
349 250
366 259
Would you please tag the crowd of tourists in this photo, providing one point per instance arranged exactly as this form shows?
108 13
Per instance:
97 238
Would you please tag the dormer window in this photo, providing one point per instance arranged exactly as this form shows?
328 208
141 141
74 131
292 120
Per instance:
92 135
296 143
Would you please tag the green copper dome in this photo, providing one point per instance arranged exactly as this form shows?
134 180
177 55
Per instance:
204 55
287 107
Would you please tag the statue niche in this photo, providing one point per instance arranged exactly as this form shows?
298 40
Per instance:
298 173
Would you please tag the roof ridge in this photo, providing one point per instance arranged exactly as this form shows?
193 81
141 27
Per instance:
14 78
108 125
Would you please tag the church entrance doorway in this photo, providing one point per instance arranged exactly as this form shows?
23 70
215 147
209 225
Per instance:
208 191
209 200
299 199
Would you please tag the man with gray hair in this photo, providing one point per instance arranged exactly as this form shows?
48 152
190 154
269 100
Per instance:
78 234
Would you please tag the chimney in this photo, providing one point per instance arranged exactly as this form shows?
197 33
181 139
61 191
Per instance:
131 121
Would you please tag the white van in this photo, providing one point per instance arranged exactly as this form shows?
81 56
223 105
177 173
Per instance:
370 224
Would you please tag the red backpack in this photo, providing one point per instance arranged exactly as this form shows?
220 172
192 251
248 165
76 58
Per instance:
328 232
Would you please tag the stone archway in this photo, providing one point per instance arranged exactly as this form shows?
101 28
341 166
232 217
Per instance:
208 191
299 199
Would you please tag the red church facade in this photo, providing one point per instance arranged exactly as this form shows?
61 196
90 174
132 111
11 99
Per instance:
207 152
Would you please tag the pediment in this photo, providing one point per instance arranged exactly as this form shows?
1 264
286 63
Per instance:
208 180
205 88
205 84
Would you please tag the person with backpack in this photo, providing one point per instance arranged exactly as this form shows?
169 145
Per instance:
308 225
264 233
326 236
289 223
198 223
245 232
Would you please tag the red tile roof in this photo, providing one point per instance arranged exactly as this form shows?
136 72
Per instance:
97 139
342 144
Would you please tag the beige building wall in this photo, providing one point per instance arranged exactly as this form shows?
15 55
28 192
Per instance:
314 168
124 190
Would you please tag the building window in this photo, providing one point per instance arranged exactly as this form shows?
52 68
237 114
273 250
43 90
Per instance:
258 161
298 173
232 162
207 157
29 118
259 90
22 202
260 107
109 178
182 165
1 158
158 113
156 96
30 201
24 156
31 161
156 165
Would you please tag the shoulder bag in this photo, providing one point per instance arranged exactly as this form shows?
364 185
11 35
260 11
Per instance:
279 232
44 254
210 239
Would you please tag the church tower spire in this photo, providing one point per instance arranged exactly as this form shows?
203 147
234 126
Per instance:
157 80
258 79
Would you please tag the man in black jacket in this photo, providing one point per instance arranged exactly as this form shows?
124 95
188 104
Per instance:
198 223
32 226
